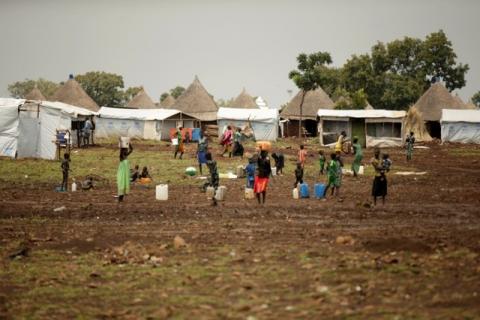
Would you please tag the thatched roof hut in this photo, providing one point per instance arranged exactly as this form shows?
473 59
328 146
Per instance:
314 100
197 102
35 94
414 123
435 99
141 101
72 93
168 102
243 100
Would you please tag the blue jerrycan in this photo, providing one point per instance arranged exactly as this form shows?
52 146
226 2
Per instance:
319 190
304 192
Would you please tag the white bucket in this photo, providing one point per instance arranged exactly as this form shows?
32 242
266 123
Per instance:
220 194
74 186
210 193
274 171
124 142
249 194
175 142
361 170
295 194
161 192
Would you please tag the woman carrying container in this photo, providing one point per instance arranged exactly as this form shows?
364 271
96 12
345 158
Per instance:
123 173
261 180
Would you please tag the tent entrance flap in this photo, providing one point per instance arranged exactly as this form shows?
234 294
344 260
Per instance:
358 130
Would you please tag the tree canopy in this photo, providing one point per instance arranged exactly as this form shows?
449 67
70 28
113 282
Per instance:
395 74
104 88
20 89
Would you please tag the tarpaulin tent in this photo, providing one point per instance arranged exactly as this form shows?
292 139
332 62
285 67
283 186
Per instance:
460 126
264 122
152 124
9 126
374 128
36 125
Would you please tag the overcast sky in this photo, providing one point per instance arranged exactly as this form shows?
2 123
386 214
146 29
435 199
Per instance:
228 44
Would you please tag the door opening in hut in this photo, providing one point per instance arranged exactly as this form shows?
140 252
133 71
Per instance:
434 129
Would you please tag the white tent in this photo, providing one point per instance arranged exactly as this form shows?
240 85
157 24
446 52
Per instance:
460 126
374 128
9 126
140 123
32 131
264 122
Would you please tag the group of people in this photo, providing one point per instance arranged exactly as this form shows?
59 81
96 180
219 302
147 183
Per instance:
232 142
259 170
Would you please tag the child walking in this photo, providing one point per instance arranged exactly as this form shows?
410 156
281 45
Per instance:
298 175
332 174
65 169
379 188
214 179
250 172
321 160
409 142
302 155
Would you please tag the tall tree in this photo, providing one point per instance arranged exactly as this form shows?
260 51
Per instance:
309 75
105 88
20 89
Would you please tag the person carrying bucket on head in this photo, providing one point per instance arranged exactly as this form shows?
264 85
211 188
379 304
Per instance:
261 180
123 173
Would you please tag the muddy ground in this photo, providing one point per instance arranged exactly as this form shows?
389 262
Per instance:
415 257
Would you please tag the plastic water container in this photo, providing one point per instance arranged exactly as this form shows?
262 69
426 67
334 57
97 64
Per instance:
249 194
74 186
210 193
319 190
240 172
124 142
304 191
220 194
361 170
274 171
264 145
161 192
295 193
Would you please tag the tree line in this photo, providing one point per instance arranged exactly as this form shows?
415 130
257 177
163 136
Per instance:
392 75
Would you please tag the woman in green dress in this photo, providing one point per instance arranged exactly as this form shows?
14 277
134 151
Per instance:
123 173
357 160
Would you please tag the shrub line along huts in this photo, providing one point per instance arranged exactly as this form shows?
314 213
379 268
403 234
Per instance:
198 103
314 100
374 128
141 101
460 126
431 104
33 126
154 124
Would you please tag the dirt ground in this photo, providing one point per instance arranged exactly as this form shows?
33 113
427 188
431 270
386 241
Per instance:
416 257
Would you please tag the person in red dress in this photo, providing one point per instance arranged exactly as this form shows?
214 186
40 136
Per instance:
263 174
